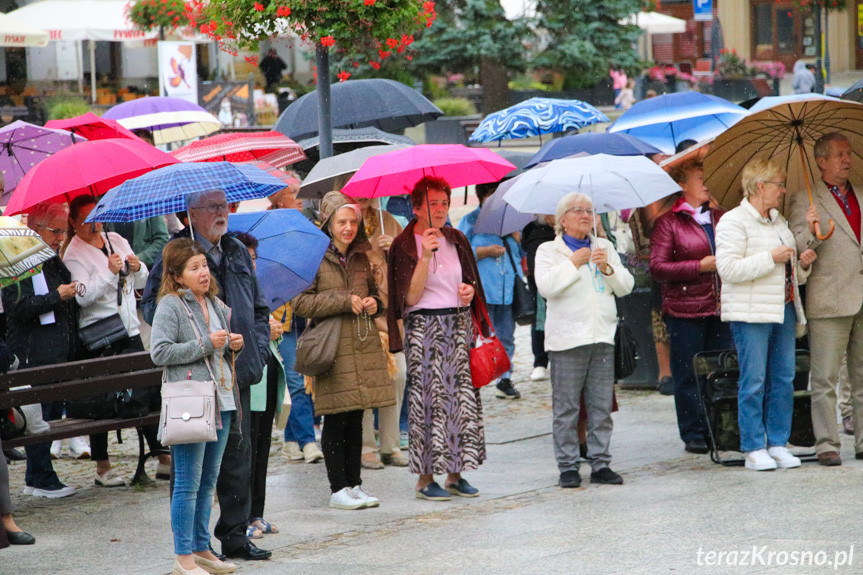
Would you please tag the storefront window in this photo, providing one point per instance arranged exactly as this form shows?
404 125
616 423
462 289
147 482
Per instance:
785 32
763 31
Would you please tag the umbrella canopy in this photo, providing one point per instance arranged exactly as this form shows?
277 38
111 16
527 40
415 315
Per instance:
323 177
169 119
17 34
667 120
379 103
347 141
22 251
271 147
395 173
612 182
87 168
694 153
23 146
535 117
92 127
592 143
786 134
283 236
103 20
656 23
773 101
275 172
165 191
499 218
855 92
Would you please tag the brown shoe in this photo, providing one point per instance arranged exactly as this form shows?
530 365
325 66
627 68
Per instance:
848 425
829 459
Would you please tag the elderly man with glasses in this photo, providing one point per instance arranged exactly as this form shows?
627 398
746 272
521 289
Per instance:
231 265
834 291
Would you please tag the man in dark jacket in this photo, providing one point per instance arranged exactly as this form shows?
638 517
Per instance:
41 324
231 265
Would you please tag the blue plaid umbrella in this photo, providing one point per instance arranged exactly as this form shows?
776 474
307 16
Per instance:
164 191
535 117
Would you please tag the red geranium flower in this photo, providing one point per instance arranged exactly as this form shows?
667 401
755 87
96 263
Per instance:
369 2
342 76
328 41
259 7
283 11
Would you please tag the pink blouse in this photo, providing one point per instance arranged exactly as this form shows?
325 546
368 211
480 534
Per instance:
443 279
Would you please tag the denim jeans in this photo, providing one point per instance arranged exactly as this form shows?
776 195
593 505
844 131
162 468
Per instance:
39 472
504 328
301 424
766 385
196 469
688 337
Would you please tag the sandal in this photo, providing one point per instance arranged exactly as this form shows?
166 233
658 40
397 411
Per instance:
253 532
263 526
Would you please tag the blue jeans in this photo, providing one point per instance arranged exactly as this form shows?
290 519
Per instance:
301 422
504 328
688 337
766 393
39 472
196 469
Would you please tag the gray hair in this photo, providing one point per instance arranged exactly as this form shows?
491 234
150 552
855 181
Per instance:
45 211
822 144
192 200
564 205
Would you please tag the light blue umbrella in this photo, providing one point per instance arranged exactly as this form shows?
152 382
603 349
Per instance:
592 143
290 250
535 117
667 120
498 217
772 101
165 191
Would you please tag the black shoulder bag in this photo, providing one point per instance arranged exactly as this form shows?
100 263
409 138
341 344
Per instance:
523 302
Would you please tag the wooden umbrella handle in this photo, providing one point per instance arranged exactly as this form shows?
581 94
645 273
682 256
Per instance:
828 234
811 201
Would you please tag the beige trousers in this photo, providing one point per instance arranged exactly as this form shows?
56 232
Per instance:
830 339
843 391
388 417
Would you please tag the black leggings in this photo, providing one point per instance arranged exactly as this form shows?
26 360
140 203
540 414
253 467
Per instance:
342 444
262 433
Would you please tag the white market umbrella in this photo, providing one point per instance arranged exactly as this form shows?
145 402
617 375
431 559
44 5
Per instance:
16 34
612 182
656 23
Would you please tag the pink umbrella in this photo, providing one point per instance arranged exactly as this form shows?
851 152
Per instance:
274 148
86 168
395 173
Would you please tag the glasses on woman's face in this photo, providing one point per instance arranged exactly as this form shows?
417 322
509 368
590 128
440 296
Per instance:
55 231
581 211
777 183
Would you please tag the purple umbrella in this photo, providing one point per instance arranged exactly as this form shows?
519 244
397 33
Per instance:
24 145
168 119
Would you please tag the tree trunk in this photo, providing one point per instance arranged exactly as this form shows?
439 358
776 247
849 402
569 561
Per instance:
495 86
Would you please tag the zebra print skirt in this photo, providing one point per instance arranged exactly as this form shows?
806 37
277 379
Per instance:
445 411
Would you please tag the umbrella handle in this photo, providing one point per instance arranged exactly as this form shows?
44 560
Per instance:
828 234
811 201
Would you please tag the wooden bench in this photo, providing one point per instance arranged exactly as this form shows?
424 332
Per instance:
81 379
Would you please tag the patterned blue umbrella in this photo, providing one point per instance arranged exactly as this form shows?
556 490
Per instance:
164 191
535 117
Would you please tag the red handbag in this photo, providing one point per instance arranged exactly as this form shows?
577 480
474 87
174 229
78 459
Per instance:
488 358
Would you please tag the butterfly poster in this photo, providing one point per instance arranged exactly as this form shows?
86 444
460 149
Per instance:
178 72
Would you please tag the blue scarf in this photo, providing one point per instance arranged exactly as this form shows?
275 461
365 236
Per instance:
575 243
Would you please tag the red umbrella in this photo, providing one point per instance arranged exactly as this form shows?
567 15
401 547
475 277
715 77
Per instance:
272 147
274 171
86 168
92 127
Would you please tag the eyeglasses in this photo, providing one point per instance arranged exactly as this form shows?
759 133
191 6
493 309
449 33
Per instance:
581 211
55 231
213 208
780 183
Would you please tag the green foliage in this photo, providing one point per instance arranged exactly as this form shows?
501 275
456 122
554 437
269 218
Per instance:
468 32
455 106
149 15
526 83
584 38
61 108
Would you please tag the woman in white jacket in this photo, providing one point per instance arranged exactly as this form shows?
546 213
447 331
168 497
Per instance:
579 274
760 271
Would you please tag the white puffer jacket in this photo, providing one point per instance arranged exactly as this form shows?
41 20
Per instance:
753 285
581 307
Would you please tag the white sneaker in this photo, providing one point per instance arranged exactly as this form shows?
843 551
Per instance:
347 498
79 448
363 494
56 449
291 450
311 453
28 490
783 457
110 479
64 491
760 460
539 373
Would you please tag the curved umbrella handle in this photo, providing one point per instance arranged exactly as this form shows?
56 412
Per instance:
828 234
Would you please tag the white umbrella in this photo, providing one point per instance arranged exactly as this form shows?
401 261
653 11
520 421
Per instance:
656 23
612 182
16 34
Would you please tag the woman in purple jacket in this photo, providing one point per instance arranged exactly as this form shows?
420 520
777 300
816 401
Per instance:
682 259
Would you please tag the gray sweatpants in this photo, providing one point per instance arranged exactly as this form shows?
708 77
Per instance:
588 368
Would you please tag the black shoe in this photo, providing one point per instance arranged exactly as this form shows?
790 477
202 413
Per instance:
696 446
219 556
249 552
858 456
666 386
20 538
582 450
14 455
570 479
505 390
606 476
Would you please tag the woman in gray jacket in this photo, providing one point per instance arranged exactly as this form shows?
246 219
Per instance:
187 295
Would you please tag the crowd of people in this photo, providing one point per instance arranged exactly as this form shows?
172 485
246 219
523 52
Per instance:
405 300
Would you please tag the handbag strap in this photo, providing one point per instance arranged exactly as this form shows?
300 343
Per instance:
509 253
199 336
484 313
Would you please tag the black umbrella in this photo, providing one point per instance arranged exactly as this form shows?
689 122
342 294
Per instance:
384 104
346 141
855 92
